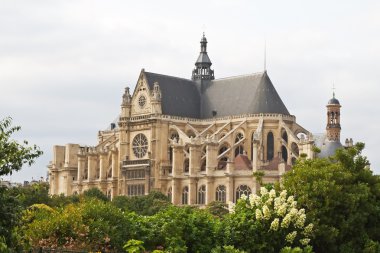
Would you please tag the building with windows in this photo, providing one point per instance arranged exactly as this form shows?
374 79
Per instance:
197 140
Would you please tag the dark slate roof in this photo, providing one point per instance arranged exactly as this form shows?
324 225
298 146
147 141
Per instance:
253 93
327 147
180 96
249 94
203 58
333 101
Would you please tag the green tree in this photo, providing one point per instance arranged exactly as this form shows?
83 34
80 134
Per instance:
342 198
14 155
145 205
217 208
96 194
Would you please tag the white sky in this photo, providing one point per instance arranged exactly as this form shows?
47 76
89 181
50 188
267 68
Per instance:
64 64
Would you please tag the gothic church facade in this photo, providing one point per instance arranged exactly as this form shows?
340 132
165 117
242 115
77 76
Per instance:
196 140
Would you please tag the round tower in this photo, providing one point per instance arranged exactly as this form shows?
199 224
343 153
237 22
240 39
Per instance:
333 119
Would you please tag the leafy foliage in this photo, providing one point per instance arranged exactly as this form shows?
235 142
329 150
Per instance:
342 197
13 154
145 205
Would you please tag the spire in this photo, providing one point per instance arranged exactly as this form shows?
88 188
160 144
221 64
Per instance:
202 70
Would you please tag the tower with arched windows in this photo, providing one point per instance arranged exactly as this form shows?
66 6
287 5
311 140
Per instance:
197 140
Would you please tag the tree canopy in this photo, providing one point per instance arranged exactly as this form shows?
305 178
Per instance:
342 197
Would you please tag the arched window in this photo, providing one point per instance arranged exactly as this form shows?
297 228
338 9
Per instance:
239 150
171 154
203 165
242 189
222 163
284 152
284 135
202 195
239 137
174 136
185 195
186 166
222 150
252 143
220 193
270 146
170 194
294 160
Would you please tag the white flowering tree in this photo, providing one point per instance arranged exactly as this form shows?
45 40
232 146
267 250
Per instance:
270 222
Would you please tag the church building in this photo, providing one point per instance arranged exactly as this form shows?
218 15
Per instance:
196 140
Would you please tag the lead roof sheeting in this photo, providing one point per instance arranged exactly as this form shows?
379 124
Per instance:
247 94
180 96
241 95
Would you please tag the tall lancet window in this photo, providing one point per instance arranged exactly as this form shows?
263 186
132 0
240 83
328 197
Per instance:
270 146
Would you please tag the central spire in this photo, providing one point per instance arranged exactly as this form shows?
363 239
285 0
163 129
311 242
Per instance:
203 64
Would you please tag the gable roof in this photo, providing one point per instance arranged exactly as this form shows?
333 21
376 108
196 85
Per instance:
248 94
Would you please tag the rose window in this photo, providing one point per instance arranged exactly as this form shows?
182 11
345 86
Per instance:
140 145
142 101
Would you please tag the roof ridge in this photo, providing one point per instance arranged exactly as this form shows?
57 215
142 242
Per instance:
182 78
244 75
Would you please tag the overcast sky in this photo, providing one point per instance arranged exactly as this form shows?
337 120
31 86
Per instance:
64 64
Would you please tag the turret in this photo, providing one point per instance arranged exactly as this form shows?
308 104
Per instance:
203 64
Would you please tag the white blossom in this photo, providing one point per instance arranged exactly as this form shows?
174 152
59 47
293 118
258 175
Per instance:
305 241
272 193
300 222
259 214
266 212
291 236
243 197
286 221
274 225
308 229
283 194
263 191
281 211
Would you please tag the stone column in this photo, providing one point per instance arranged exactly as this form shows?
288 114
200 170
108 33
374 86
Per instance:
230 189
115 163
81 167
192 191
178 159
103 165
210 191
211 157
195 159
92 163
254 156
176 192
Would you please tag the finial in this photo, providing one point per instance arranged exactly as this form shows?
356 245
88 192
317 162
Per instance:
333 90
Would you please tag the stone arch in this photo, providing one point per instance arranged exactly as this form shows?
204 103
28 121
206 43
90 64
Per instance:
185 195
242 189
201 195
220 193
295 149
